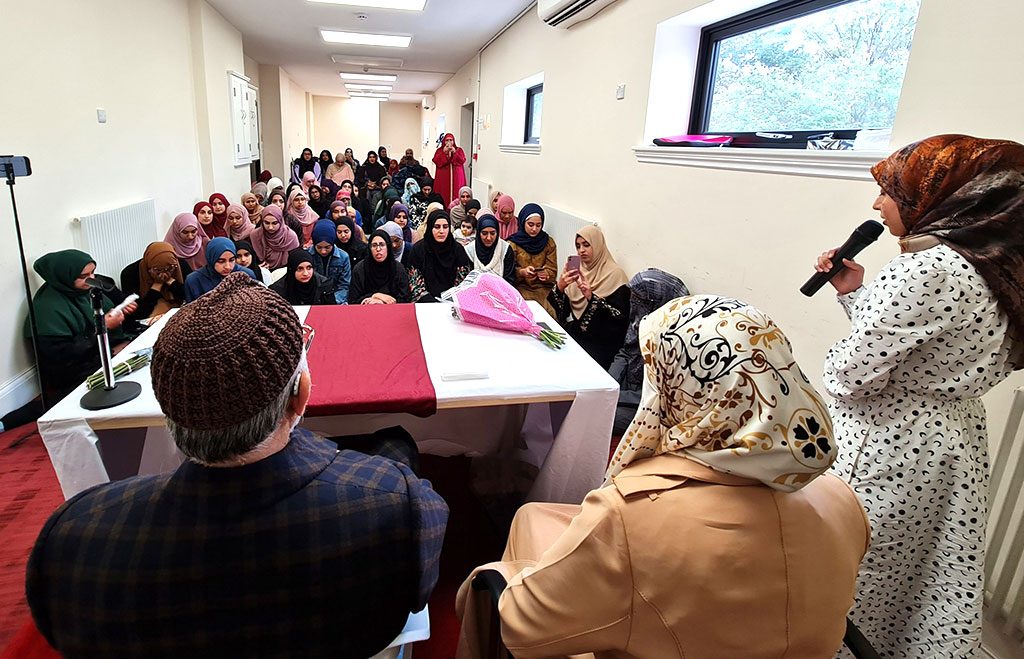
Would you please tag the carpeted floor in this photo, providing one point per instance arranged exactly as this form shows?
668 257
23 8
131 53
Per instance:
30 492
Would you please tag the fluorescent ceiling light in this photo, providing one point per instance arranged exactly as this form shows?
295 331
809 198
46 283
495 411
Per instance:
376 88
407 5
368 95
365 39
368 76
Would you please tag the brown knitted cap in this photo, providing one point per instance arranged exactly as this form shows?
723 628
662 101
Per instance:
224 357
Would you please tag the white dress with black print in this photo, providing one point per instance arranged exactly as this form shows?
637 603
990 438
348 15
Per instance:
927 341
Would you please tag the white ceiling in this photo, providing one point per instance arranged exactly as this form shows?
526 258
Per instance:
445 35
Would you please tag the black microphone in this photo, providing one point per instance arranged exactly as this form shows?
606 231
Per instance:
861 237
101 283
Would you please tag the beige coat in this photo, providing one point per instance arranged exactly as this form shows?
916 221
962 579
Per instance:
677 560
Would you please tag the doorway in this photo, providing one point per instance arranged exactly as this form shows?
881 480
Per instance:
467 135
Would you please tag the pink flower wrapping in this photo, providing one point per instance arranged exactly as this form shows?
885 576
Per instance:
489 301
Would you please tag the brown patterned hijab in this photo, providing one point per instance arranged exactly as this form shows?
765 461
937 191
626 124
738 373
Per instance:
967 193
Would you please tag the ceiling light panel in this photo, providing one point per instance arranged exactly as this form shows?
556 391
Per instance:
365 87
368 61
366 39
405 5
373 77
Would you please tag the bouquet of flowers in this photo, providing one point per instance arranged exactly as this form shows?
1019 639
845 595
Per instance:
485 299
133 363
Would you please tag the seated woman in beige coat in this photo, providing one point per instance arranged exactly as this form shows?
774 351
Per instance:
717 532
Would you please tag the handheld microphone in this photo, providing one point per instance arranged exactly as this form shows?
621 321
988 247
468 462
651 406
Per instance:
861 237
101 283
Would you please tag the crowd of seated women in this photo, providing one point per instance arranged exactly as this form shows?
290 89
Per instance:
703 378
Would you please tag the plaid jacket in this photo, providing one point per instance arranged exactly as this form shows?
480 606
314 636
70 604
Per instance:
310 552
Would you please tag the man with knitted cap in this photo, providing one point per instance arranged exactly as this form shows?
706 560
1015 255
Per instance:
268 541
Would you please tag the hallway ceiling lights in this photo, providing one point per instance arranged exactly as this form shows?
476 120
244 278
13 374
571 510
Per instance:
365 87
368 76
366 39
406 5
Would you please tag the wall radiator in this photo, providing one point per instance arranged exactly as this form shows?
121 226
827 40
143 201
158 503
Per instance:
560 225
1004 567
116 237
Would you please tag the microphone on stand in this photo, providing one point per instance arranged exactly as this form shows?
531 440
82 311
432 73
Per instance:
861 237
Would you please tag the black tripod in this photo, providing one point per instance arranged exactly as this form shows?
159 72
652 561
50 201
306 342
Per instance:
12 167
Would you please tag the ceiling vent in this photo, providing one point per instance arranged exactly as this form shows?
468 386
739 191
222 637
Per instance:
566 13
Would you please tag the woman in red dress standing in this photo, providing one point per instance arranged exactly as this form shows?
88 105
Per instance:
451 173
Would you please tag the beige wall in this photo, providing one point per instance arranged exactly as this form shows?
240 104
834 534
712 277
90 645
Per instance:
295 119
132 59
748 235
341 123
272 120
450 99
400 128
216 49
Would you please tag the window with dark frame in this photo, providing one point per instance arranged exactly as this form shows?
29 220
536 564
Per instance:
796 70
534 102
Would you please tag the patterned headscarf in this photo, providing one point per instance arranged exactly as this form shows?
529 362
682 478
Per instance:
967 193
721 388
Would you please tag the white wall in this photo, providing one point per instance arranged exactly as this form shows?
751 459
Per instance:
132 59
340 123
752 236
216 49
295 120
459 90
400 128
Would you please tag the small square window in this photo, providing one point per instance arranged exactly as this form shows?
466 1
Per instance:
797 69
534 103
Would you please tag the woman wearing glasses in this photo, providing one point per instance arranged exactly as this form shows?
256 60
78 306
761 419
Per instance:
158 278
379 279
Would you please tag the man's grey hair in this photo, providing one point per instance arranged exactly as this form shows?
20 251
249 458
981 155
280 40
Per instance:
215 446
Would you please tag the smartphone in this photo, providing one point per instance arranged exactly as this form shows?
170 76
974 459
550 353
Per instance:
573 263
20 165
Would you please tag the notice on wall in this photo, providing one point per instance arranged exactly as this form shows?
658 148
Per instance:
441 127
426 132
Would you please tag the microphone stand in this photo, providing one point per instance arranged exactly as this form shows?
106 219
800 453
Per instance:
9 173
112 393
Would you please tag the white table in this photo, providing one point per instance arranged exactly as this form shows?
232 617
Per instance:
554 408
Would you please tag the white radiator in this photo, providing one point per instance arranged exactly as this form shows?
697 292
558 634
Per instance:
1004 568
560 225
117 237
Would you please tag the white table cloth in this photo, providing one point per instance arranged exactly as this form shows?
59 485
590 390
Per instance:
555 407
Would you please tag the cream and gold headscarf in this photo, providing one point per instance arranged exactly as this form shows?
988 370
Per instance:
721 388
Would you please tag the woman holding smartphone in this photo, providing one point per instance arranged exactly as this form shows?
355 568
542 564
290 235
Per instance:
591 298
939 326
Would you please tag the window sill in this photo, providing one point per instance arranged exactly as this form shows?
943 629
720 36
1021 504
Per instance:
529 149
852 165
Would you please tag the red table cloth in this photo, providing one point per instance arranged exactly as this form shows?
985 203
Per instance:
366 359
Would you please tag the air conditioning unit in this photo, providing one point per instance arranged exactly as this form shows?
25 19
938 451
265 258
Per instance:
566 13
429 102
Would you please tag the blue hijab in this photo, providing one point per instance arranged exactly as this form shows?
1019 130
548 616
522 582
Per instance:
207 278
532 244
484 253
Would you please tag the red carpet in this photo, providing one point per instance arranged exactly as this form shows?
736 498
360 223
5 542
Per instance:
392 378
30 493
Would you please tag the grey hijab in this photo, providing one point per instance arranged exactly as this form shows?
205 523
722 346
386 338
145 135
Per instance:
649 290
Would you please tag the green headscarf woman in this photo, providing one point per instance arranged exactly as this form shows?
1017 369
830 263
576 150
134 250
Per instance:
64 321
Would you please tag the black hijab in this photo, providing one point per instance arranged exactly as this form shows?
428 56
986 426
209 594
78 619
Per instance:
380 277
438 262
295 291
484 253
320 205
373 170
325 163
305 165
355 248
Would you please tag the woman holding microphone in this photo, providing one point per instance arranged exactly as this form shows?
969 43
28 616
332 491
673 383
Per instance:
938 327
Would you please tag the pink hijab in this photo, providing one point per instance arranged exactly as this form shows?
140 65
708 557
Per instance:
247 226
307 218
308 180
512 226
273 248
193 251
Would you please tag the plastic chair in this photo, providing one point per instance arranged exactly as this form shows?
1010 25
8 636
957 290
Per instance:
493 582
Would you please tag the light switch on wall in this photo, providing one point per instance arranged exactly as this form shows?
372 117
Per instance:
101 115
620 92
